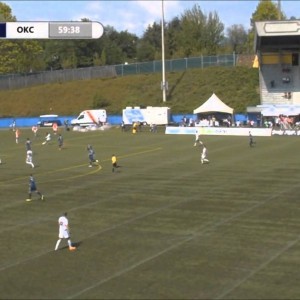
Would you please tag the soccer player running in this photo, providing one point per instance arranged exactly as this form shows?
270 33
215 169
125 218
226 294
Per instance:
204 154
91 154
17 134
29 158
64 232
29 153
47 139
60 141
28 144
197 138
33 188
114 162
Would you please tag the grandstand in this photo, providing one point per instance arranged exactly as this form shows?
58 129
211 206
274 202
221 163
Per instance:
277 46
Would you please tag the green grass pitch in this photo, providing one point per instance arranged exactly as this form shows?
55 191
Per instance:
163 226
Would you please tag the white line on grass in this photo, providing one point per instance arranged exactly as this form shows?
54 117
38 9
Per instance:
176 245
187 239
97 233
259 268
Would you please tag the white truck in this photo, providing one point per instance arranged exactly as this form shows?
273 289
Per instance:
148 115
90 117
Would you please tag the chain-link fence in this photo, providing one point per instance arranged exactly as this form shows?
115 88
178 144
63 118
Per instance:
176 64
15 81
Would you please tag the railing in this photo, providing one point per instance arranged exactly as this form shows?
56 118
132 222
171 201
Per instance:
173 65
15 81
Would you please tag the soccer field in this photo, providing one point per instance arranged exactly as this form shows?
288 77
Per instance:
163 226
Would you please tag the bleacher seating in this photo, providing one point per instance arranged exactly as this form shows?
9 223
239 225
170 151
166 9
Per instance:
277 84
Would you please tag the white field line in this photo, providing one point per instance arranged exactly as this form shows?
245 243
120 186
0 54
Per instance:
176 245
130 221
259 268
95 234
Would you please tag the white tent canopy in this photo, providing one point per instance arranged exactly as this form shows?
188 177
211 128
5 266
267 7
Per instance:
213 104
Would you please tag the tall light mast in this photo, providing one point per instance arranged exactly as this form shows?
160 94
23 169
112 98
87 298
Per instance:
163 84
279 10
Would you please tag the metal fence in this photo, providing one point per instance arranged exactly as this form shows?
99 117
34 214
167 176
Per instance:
176 64
15 81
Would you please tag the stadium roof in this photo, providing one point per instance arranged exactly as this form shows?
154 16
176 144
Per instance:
277 35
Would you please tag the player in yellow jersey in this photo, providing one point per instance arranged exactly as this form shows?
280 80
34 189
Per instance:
114 162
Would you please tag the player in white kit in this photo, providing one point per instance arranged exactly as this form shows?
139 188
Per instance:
203 155
197 138
64 232
29 158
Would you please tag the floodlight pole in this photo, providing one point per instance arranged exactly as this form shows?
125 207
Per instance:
164 85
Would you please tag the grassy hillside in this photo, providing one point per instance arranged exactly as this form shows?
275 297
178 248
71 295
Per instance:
238 87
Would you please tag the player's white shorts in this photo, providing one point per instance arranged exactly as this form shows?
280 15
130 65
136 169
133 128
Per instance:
64 234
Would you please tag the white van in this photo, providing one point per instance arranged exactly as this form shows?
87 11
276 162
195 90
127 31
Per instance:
90 117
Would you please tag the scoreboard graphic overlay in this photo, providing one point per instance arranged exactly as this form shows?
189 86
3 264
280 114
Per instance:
51 30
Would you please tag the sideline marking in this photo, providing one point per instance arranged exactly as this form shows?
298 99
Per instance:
99 167
196 234
208 229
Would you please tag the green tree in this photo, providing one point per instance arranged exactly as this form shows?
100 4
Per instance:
52 54
6 13
128 44
9 56
30 57
237 38
214 33
103 57
145 51
171 33
150 44
266 10
192 35
199 34
18 55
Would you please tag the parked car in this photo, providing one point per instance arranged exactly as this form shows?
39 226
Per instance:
49 120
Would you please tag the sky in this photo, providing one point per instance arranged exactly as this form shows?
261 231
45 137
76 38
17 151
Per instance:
136 16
